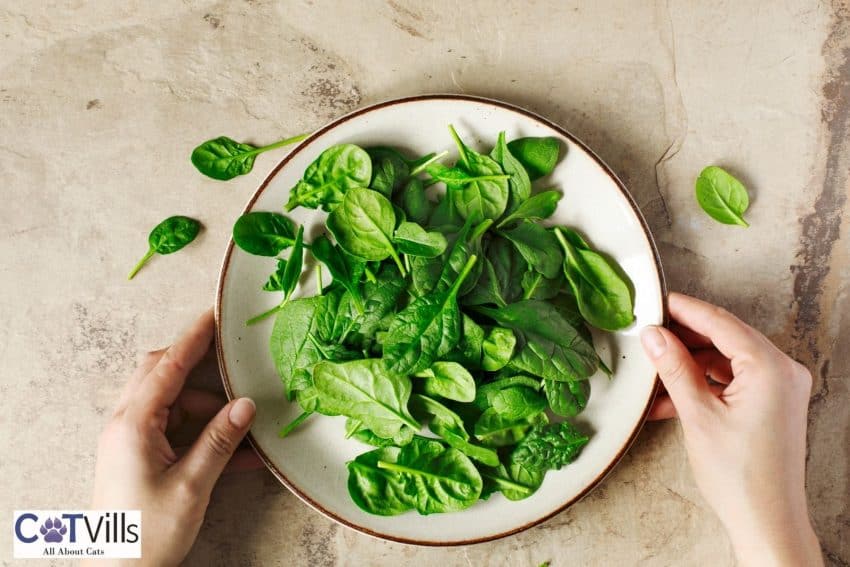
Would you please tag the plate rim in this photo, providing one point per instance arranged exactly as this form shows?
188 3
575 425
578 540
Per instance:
225 378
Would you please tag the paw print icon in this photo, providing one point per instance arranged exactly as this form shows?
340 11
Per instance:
52 530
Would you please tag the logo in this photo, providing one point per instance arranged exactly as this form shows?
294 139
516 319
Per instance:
77 533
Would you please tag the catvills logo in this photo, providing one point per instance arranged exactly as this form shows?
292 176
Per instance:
77 533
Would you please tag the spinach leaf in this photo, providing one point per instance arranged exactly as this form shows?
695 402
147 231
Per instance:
723 197
445 215
551 347
469 350
380 298
549 447
538 207
495 430
482 199
337 170
376 490
292 351
289 278
436 275
413 201
515 484
436 478
538 246
344 268
537 286
426 329
364 390
485 393
364 224
263 233
275 281
223 158
537 155
498 348
567 399
389 170
501 271
456 177
412 239
518 402
449 426
168 237
603 297
449 380
519 184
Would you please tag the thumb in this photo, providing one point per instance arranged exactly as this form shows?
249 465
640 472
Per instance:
678 370
206 459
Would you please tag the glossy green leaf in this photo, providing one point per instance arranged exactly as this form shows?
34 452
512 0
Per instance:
168 237
721 196
537 155
264 233
449 380
412 239
519 184
498 348
538 246
326 181
224 158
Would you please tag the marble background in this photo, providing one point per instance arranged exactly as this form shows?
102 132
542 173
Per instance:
101 103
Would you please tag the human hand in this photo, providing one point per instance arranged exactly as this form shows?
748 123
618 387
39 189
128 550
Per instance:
138 469
745 432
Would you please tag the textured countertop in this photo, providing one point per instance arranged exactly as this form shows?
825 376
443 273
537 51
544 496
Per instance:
101 103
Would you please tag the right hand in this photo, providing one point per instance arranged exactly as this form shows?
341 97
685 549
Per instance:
745 433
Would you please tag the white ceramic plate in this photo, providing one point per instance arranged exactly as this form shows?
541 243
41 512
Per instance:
311 462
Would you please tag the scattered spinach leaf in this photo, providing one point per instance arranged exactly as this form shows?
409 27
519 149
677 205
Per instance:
721 196
168 237
224 158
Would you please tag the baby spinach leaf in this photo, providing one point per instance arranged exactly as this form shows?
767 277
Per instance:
289 278
538 246
517 402
168 237
495 430
412 239
537 286
468 350
263 233
723 197
517 486
449 380
603 297
412 200
519 184
380 298
500 275
549 447
376 490
485 198
292 351
426 329
485 393
449 426
275 281
498 348
538 207
367 436
224 158
456 177
438 479
344 268
537 155
567 399
364 224
364 390
326 181
389 170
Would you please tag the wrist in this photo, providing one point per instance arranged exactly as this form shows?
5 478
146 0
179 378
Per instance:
777 543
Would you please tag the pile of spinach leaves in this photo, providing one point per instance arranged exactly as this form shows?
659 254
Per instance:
455 309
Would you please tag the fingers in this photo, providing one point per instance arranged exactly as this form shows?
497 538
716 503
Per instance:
729 334
194 405
714 365
663 408
147 364
245 459
682 376
207 458
160 388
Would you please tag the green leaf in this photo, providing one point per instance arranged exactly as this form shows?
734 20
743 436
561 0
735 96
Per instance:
168 237
389 170
518 402
292 351
275 281
567 399
538 207
501 273
337 170
449 426
363 224
498 348
345 269
482 199
485 393
469 349
519 184
413 201
723 197
364 390
380 299
537 155
495 430
263 233
603 297
537 286
412 239
515 484
538 246
224 158
549 447
449 380
375 490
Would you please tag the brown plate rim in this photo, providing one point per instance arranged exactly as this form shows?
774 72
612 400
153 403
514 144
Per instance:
406 100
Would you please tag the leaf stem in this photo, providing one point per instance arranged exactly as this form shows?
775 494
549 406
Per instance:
369 275
264 314
423 165
508 483
461 147
292 425
398 261
141 263
403 469
462 276
280 144
319 285
530 291
481 229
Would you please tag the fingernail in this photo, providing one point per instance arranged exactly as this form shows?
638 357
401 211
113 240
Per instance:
653 341
242 412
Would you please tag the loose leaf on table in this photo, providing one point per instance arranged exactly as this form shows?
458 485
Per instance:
603 296
535 208
389 170
538 246
519 184
168 237
364 224
550 347
537 155
549 447
449 426
263 233
224 158
426 329
412 239
448 380
486 198
723 197
345 269
498 348
366 391
567 399
326 181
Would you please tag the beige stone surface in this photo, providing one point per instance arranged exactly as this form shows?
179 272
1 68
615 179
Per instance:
102 101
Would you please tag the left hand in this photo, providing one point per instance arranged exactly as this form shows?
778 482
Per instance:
138 469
